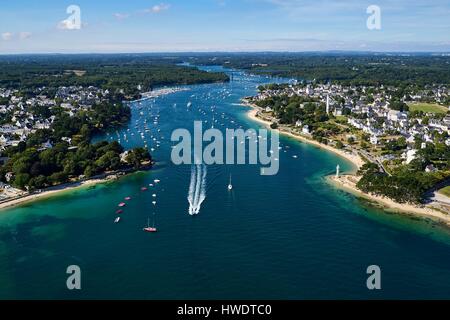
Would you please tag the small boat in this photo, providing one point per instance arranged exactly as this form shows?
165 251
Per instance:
156 181
144 189
128 198
150 229
154 203
230 186
122 204
117 220
119 211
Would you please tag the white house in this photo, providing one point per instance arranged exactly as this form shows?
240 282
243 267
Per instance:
410 155
373 139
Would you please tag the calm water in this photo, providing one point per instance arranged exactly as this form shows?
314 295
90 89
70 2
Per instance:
288 236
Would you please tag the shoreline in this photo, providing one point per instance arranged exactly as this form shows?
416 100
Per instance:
355 159
65 187
70 186
347 182
164 91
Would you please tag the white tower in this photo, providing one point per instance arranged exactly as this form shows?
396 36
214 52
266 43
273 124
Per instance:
328 104
337 171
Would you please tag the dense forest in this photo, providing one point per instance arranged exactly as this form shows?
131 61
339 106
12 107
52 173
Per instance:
111 72
35 168
346 68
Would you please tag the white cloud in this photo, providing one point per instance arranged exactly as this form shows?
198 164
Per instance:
121 16
24 35
71 25
64 25
7 36
158 8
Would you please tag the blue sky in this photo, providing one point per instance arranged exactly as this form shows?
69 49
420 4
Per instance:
28 26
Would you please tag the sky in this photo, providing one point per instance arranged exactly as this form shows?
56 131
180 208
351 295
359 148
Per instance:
29 26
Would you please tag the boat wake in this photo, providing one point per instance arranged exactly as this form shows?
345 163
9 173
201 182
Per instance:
197 188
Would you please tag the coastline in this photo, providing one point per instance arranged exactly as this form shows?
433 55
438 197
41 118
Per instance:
66 187
60 189
355 159
348 182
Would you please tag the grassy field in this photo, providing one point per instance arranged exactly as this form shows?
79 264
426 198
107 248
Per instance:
341 118
427 107
445 191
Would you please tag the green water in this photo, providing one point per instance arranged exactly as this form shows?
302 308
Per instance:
289 236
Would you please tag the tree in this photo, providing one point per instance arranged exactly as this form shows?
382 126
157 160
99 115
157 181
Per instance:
89 171
137 156
109 161
398 105
339 145
21 180
38 182
57 178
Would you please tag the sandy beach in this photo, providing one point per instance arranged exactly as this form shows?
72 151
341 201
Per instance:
348 182
55 190
353 158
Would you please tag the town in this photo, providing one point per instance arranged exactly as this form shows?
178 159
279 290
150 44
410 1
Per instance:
387 126
22 116
42 135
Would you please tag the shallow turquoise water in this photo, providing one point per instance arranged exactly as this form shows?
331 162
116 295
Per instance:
289 236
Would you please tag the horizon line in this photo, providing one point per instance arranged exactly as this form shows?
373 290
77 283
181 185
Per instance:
226 52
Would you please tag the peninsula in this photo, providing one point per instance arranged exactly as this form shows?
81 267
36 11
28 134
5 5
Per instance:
399 151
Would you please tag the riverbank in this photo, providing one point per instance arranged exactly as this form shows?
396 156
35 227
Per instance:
348 182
